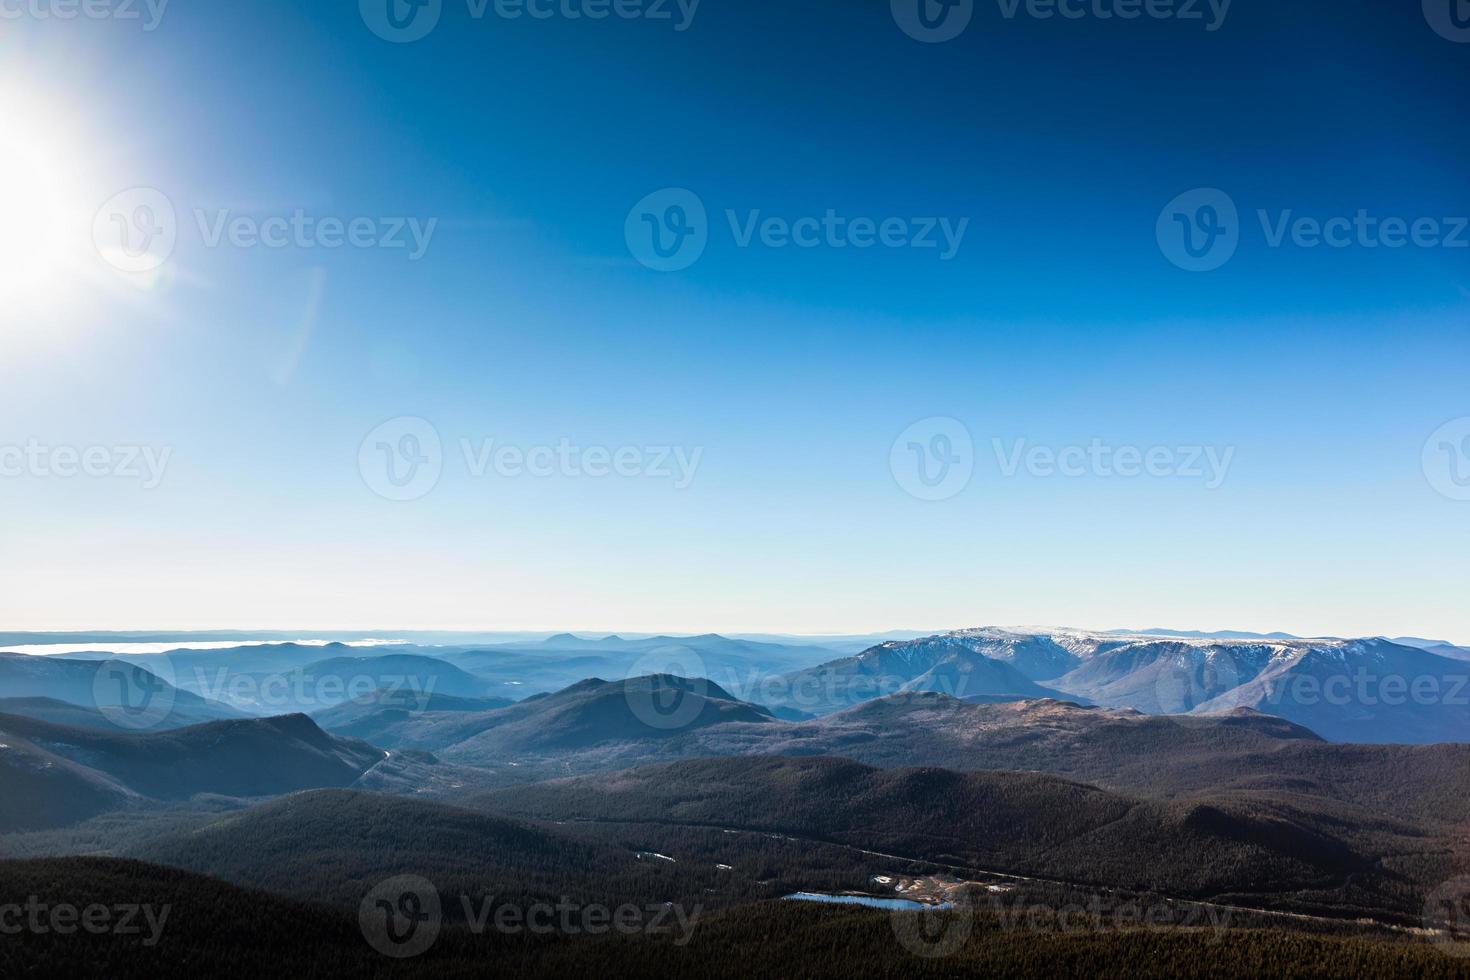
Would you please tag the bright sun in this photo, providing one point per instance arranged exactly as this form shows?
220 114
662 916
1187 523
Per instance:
51 275
57 171
34 219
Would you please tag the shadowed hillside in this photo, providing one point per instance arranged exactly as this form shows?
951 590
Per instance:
255 757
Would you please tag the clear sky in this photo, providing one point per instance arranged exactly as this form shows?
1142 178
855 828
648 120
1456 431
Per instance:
784 376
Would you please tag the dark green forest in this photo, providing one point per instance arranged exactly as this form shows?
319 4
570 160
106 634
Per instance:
219 930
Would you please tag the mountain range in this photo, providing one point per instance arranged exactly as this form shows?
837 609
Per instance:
1302 784
1363 690
1351 690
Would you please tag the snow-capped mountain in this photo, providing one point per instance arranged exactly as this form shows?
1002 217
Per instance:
1361 690
968 664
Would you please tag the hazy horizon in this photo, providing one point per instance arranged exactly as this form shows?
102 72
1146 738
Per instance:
364 636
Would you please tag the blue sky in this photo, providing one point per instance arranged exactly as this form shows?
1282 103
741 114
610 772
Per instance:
791 371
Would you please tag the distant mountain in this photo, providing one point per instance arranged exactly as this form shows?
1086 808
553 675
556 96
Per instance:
955 664
571 641
737 665
287 678
1449 652
1370 690
76 682
64 771
1420 642
591 714
1201 635
65 713
1361 691
1165 675
596 712
403 674
1366 690
519 673
705 644
193 666
838 642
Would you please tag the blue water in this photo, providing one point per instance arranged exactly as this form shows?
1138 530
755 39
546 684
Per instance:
900 904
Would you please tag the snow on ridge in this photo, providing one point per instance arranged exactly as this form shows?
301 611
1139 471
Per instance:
1072 638
1258 653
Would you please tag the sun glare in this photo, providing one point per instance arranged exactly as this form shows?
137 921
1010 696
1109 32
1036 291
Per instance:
33 222
49 269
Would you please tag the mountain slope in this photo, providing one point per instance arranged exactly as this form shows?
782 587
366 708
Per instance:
1357 690
91 684
323 845
1167 676
1020 823
597 712
333 845
40 789
951 665
57 712
393 719
255 757
1363 691
398 672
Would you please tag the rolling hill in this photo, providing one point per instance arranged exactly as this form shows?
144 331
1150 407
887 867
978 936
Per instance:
332 845
1019 823
595 712
93 684
65 713
69 773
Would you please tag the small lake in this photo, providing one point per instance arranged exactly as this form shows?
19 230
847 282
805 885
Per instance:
897 904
